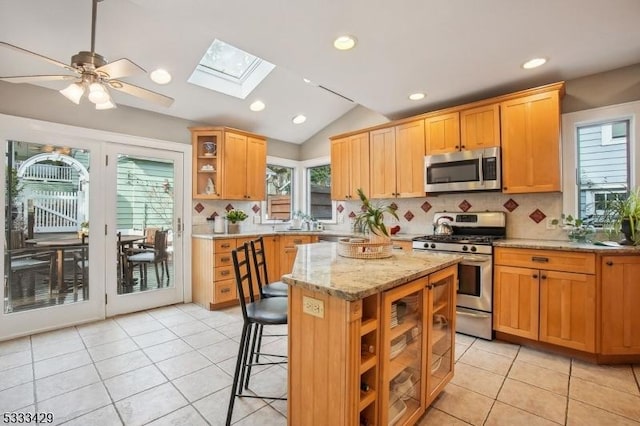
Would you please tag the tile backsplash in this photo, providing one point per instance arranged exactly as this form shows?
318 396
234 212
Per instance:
527 214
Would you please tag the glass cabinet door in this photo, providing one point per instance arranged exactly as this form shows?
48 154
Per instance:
441 333
207 152
402 390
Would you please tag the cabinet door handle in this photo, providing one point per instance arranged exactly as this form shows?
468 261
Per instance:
225 290
457 147
609 263
462 146
539 259
535 276
544 277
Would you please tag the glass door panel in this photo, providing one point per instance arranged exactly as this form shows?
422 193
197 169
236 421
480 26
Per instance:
402 388
145 229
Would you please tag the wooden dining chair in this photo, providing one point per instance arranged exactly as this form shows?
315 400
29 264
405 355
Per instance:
157 256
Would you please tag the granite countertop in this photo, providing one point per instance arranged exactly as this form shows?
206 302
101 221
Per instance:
565 245
318 267
255 233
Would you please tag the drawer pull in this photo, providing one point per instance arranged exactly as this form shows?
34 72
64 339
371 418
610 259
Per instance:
225 259
297 241
535 276
609 263
226 245
223 273
225 290
539 259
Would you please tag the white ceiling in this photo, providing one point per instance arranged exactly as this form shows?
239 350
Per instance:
451 49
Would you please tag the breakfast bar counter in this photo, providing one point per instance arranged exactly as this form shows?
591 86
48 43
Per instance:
371 341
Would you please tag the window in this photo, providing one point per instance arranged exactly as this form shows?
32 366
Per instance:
603 165
279 191
319 203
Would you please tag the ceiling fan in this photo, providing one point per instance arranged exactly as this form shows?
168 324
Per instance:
94 73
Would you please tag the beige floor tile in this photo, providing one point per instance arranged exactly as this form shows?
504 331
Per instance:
464 339
109 350
20 344
149 405
280 405
12 399
477 379
120 364
55 336
66 381
111 335
167 350
269 382
14 359
76 403
622 403
154 338
232 329
189 307
61 363
534 400
50 350
202 382
135 381
98 327
136 328
505 415
204 338
164 311
178 318
184 416
618 377
183 364
464 404
497 347
435 417
105 416
460 349
544 359
498 364
581 414
16 376
189 328
539 376
266 416
214 407
221 351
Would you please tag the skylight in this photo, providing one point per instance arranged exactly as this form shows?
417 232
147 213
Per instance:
227 69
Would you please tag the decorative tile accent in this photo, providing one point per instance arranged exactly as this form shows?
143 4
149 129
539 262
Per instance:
408 215
229 207
352 215
199 207
464 205
511 204
214 215
537 216
255 208
340 208
426 206
393 206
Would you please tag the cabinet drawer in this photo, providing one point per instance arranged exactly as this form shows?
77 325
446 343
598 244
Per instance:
224 273
224 291
224 246
293 240
553 260
223 259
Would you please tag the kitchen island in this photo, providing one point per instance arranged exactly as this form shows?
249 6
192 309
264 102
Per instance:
370 341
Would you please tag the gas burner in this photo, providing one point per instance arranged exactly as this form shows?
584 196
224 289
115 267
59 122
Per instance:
460 239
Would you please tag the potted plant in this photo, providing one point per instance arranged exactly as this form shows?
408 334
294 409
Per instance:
624 216
578 230
371 218
235 216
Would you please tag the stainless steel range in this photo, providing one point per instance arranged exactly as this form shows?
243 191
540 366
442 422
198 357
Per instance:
472 235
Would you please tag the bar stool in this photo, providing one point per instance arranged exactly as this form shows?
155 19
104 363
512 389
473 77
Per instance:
265 287
256 313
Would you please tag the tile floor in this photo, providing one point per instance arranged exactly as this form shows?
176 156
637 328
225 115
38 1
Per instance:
173 366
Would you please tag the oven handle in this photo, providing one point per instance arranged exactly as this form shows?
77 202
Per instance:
480 173
476 262
469 314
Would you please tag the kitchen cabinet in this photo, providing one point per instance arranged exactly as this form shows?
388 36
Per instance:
548 296
397 161
442 133
480 127
620 298
228 164
531 143
349 166
288 250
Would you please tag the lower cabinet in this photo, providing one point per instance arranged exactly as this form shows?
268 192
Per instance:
542 304
620 298
288 250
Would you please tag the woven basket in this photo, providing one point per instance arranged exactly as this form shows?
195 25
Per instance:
364 249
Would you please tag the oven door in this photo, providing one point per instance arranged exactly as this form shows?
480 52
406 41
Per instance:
475 290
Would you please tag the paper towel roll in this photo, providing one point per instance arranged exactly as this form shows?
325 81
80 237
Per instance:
218 225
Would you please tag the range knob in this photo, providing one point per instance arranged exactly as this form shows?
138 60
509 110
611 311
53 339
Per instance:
474 249
425 245
433 245
465 248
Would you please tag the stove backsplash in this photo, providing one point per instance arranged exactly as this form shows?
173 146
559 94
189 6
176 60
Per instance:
527 214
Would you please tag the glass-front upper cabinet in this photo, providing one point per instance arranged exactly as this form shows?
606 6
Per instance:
402 390
207 164
441 306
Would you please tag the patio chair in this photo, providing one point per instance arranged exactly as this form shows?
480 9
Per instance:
158 256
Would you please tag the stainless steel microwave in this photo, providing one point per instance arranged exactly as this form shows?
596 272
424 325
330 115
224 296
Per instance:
473 170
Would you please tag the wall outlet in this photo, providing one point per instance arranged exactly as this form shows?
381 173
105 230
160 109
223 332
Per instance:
256 219
314 307
550 224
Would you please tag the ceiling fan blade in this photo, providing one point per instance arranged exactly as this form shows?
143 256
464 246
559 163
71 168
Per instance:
37 78
51 61
120 68
139 92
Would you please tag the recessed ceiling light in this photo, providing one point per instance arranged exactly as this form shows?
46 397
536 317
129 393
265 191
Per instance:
299 119
344 42
160 76
257 106
416 96
534 63
306 80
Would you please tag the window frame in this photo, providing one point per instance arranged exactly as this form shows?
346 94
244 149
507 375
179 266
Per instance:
570 124
295 192
306 165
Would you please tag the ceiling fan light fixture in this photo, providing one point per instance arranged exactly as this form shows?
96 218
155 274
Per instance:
73 92
106 105
98 93
160 76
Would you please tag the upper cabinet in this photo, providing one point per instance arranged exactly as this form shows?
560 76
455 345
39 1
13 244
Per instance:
480 127
531 143
397 159
349 166
442 133
228 164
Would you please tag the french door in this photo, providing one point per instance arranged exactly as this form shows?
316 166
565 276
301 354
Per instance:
144 228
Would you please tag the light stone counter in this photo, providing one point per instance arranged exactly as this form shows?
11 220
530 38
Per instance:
566 246
318 267
256 233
